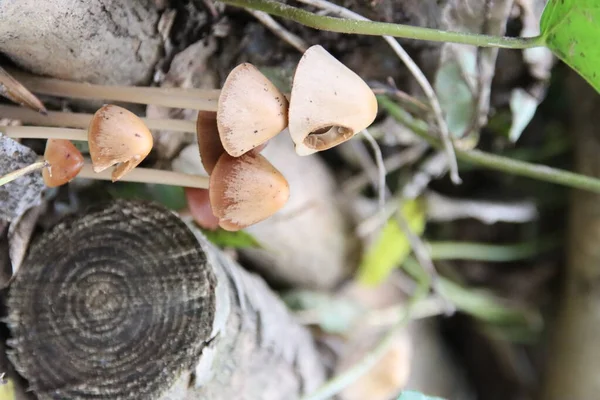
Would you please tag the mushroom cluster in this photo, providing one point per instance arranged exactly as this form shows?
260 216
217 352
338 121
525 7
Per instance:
328 105
116 136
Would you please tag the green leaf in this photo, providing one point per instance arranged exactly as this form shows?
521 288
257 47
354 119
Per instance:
333 315
235 240
571 28
391 247
412 395
172 197
455 95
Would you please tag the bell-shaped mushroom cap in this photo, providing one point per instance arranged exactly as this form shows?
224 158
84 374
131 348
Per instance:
251 110
65 162
245 190
209 142
116 135
329 103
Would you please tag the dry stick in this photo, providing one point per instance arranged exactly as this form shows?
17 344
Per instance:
418 75
394 162
381 186
196 99
80 120
287 36
15 91
11 176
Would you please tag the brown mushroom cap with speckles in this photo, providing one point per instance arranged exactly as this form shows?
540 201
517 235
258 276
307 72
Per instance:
65 162
246 190
251 110
118 136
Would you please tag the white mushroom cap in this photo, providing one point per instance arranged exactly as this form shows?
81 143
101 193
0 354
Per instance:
251 110
329 103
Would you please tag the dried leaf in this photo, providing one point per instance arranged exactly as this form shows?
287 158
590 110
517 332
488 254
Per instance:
467 71
25 192
387 377
15 91
523 106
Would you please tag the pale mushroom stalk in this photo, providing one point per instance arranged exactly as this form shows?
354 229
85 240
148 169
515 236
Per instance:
139 175
149 175
197 99
81 120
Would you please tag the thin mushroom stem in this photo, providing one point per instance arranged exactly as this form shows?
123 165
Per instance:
43 132
11 176
148 175
80 120
196 99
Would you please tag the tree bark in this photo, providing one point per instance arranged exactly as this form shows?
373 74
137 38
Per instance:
126 301
103 41
574 354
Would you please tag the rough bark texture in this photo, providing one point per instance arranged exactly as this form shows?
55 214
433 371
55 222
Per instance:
108 41
574 354
125 301
23 193
259 352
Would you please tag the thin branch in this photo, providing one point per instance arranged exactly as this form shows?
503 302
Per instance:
392 163
147 175
15 91
382 28
495 162
293 40
196 99
381 172
417 74
80 120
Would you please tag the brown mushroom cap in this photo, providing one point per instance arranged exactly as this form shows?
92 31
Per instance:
199 205
251 110
245 190
118 136
209 142
65 162
329 103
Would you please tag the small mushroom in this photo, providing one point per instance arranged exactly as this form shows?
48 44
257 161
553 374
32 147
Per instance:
209 142
199 205
64 160
117 136
245 190
251 110
329 103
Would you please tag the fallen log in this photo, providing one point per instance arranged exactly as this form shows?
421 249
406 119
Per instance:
126 301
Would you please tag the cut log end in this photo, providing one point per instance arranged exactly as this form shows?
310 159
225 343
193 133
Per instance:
117 302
